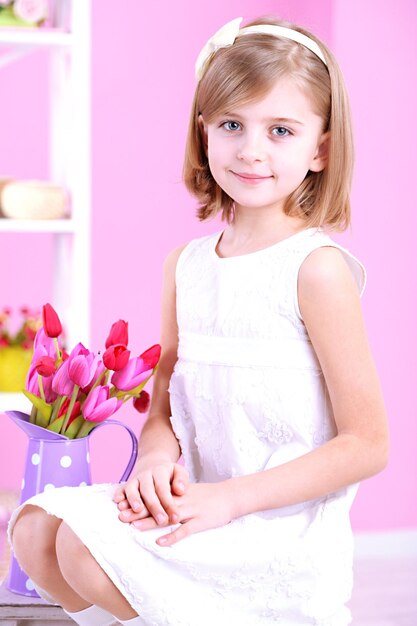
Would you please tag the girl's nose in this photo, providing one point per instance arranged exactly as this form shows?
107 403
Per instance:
251 150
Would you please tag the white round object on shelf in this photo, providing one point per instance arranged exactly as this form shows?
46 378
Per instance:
33 200
3 182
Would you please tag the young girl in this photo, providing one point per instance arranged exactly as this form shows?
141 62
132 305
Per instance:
266 385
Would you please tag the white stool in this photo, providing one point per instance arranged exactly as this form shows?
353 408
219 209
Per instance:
18 610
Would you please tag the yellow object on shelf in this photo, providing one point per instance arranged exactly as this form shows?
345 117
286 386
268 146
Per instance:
14 366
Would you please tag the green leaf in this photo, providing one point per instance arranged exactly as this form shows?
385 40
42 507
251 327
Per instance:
86 429
74 427
56 424
44 409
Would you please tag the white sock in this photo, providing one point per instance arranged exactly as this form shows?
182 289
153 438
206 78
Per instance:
92 616
136 621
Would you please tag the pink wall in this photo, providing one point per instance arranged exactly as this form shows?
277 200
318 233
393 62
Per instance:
142 88
376 45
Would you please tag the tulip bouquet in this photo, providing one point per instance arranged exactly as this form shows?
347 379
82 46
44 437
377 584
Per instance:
72 393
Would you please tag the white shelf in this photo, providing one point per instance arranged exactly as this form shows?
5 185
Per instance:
69 150
14 402
37 226
34 37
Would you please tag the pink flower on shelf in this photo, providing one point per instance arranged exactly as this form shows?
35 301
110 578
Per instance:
133 374
142 402
99 406
116 357
32 11
151 356
51 322
118 334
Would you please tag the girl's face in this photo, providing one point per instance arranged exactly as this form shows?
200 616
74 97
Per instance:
260 152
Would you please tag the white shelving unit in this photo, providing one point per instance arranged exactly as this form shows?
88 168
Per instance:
69 44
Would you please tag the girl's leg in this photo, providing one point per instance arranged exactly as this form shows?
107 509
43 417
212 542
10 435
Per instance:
84 575
34 544
34 541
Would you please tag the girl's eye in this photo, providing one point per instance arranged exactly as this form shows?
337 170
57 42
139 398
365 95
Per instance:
280 131
231 125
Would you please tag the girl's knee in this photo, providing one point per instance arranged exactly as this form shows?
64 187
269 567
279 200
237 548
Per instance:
69 549
33 537
34 527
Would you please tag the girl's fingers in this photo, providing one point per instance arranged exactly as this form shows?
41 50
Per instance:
183 531
123 505
145 524
151 499
133 495
128 516
119 494
162 482
180 480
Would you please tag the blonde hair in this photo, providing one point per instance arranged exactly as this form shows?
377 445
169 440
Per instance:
246 72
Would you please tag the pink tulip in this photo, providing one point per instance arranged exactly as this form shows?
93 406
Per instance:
32 385
118 334
51 322
47 343
61 382
142 402
97 374
151 356
76 410
82 368
116 357
134 373
45 366
98 405
79 349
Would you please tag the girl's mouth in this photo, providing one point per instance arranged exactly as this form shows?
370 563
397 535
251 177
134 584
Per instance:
250 179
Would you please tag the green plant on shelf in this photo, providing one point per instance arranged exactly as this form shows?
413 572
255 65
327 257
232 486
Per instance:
23 13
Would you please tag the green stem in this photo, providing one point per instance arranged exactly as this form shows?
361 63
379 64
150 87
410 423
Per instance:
71 406
40 383
33 413
58 352
57 408
85 429
99 379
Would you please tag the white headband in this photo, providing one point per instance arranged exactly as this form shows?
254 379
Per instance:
227 34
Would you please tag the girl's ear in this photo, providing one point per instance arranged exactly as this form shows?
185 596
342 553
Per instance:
320 159
203 130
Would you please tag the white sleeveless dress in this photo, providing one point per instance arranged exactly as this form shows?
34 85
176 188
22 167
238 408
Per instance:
247 394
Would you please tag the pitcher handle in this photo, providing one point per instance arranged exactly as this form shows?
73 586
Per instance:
134 453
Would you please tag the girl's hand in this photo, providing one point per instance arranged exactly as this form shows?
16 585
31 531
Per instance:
203 506
150 494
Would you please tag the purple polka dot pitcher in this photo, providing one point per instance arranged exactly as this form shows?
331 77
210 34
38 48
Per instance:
53 460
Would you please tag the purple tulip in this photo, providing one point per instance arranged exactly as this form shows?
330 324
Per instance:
132 375
98 405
